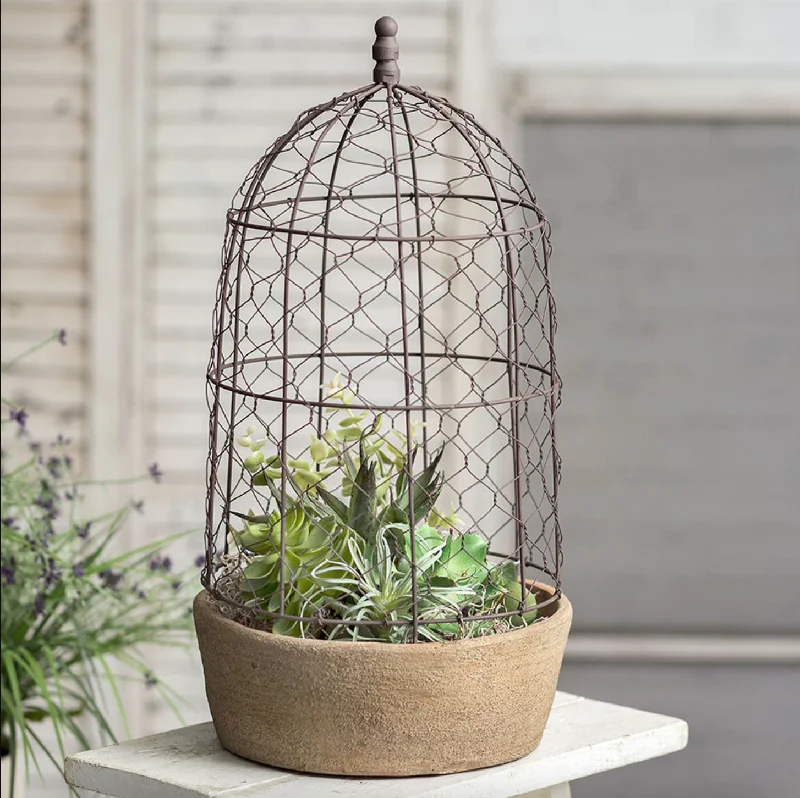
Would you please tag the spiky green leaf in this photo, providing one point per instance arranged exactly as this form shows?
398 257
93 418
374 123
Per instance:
362 513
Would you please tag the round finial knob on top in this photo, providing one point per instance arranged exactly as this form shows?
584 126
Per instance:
386 52
386 26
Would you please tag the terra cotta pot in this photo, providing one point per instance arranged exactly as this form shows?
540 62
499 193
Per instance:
381 709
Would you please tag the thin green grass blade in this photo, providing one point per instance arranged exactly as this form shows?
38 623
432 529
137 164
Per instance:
15 703
53 710
112 683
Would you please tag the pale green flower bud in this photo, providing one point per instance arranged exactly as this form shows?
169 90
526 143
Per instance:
254 461
246 440
318 450
415 427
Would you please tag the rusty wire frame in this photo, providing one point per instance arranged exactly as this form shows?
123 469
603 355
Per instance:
389 238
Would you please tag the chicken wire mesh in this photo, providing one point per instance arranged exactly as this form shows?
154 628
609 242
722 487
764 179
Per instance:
382 383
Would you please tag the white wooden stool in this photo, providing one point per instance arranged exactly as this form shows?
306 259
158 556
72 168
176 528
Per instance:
582 737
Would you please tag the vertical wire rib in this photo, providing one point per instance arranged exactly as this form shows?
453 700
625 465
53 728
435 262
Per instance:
323 333
513 341
406 369
286 354
398 95
553 404
215 367
243 218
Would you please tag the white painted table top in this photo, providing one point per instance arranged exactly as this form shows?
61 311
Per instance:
582 737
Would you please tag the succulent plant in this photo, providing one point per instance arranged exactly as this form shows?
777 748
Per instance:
347 547
383 592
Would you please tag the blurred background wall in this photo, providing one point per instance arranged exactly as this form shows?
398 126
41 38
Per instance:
663 141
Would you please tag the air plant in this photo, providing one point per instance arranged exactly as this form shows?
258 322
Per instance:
347 548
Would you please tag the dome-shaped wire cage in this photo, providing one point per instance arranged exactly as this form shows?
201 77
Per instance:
384 306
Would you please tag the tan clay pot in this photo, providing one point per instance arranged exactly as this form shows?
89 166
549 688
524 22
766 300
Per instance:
380 709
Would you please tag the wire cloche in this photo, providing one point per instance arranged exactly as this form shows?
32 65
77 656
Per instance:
382 382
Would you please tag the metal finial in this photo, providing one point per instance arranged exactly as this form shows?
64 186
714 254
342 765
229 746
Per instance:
386 52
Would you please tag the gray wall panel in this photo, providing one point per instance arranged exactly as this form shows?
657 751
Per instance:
676 268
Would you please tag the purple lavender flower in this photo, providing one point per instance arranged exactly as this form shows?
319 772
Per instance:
159 563
138 592
47 503
150 679
77 570
155 472
18 415
62 337
38 605
10 522
62 441
176 585
82 531
8 571
200 561
110 578
50 572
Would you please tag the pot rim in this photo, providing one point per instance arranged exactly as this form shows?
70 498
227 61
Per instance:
561 614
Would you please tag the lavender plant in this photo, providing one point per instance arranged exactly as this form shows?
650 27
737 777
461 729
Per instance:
74 607
348 556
